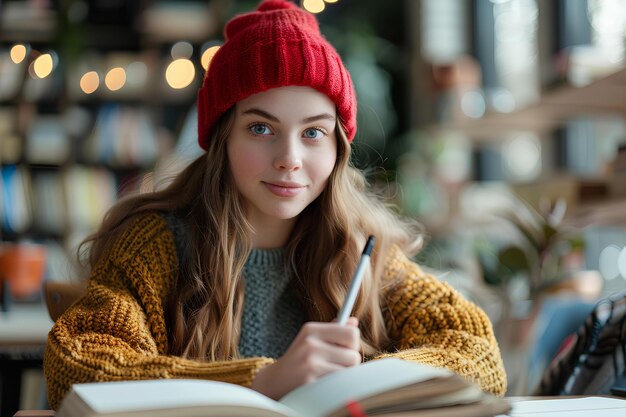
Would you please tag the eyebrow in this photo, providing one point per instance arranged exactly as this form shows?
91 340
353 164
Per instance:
269 116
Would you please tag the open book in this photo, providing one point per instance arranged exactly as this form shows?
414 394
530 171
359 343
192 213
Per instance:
385 387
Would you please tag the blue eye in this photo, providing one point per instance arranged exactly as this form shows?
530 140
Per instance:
313 133
260 129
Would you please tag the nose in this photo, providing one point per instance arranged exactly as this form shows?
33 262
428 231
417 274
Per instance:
288 156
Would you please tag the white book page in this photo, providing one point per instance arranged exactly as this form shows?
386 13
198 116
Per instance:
337 389
129 396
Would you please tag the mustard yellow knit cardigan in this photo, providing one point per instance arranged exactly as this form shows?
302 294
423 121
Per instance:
117 330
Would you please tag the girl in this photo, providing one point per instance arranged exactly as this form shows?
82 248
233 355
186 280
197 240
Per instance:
237 269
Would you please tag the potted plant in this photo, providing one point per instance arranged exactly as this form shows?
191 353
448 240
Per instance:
540 255
544 251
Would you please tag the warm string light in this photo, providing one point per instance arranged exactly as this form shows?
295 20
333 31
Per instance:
42 66
115 78
180 73
90 82
314 6
18 53
207 56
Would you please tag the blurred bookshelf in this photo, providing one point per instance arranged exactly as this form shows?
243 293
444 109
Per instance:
601 98
89 105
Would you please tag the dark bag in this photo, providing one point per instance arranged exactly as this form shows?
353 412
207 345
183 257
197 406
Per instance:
594 363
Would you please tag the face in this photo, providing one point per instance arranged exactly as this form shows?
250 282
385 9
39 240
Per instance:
282 150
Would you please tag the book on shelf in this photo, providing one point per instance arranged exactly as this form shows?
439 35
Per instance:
47 142
385 387
49 204
16 192
90 193
123 136
617 177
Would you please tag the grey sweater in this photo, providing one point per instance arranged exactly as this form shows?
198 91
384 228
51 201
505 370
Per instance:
272 316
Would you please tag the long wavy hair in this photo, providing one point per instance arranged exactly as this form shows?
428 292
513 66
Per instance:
204 310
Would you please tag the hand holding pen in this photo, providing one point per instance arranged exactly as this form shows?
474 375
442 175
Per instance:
319 348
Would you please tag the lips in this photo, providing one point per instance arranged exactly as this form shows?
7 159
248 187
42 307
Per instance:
285 189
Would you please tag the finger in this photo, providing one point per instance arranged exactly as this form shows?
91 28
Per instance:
342 356
330 357
346 355
346 336
353 321
332 333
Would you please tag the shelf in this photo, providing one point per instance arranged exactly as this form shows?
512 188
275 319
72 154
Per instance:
609 212
172 22
23 22
590 201
605 97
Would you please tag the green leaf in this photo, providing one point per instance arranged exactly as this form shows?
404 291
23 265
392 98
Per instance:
531 231
513 260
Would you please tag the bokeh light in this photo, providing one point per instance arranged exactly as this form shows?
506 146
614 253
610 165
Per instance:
115 78
523 157
473 104
607 262
43 65
207 56
503 100
18 53
180 73
90 82
314 6
182 49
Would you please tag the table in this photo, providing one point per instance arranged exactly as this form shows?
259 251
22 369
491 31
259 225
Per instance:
574 406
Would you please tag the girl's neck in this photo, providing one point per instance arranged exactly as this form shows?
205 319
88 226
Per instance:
271 234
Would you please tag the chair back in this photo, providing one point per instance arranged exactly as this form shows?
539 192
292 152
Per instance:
60 296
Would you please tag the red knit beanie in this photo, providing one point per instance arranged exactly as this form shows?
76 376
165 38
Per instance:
277 45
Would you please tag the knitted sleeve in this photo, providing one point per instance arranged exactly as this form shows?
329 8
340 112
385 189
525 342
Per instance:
117 330
432 323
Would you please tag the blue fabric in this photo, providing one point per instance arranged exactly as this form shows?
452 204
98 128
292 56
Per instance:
558 318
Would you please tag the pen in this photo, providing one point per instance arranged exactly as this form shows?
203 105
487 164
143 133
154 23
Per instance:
348 303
